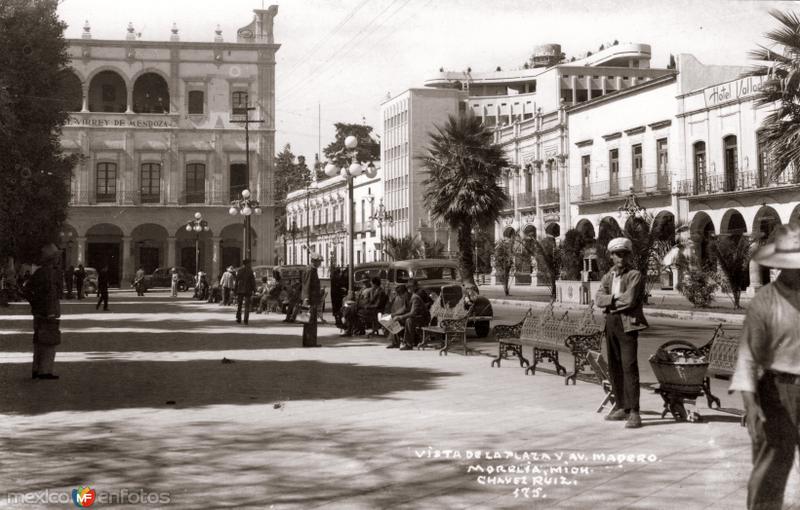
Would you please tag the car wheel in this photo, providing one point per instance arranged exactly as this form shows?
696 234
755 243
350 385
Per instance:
182 286
482 328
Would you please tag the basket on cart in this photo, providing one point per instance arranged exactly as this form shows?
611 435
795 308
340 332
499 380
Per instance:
679 367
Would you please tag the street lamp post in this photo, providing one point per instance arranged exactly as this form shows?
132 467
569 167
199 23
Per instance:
293 233
245 206
381 215
350 172
198 225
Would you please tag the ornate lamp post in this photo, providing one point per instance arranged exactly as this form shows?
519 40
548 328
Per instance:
632 209
381 215
350 172
65 240
245 206
293 234
198 225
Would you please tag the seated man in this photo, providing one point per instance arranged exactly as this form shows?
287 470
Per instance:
353 311
370 304
399 305
261 295
417 316
292 301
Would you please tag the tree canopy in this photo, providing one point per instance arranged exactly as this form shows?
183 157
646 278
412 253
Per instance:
369 149
291 173
34 173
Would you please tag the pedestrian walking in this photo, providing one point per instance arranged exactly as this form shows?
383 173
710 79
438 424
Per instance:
43 291
69 274
245 287
226 282
80 276
621 295
768 371
102 288
174 283
311 296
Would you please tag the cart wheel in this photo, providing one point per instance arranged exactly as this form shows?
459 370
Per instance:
678 411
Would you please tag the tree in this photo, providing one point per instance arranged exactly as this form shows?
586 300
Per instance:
504 256
368 148
549 257
403 248
781 128
464 167
34 173
290 175
572 249
733 258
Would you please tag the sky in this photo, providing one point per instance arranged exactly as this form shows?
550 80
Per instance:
340 59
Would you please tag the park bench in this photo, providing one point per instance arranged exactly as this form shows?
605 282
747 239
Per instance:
549 335
446 326
721 352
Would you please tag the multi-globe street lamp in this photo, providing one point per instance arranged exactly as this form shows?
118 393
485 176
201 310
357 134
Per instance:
349 172
197 225
293 234
245 206
381 215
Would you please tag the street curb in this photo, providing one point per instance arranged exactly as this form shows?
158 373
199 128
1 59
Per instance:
649 311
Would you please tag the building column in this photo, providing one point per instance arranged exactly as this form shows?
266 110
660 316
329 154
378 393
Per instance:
755 278
81 250
85 97
129 98
216 259
127 261
171 248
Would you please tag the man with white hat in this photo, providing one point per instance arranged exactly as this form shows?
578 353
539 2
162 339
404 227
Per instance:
768 370
621 295
311 295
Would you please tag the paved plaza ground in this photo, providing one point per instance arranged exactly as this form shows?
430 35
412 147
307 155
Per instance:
146 403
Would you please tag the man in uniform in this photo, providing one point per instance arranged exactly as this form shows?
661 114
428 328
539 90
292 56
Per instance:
311 296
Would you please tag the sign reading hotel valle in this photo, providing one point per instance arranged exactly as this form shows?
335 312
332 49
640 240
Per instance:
733 90
126 121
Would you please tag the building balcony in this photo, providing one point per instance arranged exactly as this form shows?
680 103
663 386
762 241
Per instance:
212 196
738 182
526 200
616 189
548 196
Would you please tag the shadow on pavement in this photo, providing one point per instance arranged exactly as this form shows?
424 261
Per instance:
106 385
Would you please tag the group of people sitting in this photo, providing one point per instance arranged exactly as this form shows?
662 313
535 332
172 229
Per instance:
408 307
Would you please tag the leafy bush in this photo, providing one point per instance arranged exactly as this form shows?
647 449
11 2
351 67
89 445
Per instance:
698 287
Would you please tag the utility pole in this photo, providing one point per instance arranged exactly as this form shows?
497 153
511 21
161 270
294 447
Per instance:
245 110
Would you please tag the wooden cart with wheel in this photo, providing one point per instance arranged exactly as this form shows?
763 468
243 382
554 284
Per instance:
680 369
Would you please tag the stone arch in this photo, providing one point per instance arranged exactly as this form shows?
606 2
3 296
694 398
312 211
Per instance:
194 250
702 229
71 90
150 248
232 247
150 93
733 223
764 223
663 226
586 228
104 249
108 92
608 229
794 217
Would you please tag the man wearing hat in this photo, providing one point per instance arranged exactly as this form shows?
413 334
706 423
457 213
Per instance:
226 282
43 291
768 371
311 296
621 295
245 285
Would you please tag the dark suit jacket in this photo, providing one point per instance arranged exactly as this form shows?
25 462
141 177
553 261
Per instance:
311 288
628 304
245 281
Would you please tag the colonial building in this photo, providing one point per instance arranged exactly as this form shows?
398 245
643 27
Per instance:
158 125
318 221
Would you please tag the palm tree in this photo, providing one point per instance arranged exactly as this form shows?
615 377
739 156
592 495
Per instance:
434 250
403 248
464 168
781 128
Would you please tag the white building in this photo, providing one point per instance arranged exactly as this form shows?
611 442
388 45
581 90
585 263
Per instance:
320 220
154 121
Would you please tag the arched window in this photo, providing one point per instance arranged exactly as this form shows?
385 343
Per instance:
150 94
108 93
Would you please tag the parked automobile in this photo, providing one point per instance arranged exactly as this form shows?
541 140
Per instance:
432 275
162 277
262 271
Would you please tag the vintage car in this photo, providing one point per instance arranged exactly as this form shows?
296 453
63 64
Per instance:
162 277
262 271
432 275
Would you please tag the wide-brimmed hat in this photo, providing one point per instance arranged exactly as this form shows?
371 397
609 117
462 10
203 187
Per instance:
784 251
49 252
620 244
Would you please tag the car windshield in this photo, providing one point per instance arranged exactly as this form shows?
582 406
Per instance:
362 274
427 273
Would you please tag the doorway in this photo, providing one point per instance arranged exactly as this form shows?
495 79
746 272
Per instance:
99 255
148 259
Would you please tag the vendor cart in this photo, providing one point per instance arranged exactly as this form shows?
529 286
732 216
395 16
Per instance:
680 369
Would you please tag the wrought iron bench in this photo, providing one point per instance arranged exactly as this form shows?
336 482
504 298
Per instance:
434 334
507 337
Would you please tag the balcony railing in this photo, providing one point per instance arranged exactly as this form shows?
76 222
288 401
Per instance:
213 196
619 187
526 200
739 181
548 196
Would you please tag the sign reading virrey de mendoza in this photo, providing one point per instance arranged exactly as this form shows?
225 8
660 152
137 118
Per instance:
733 90
122 121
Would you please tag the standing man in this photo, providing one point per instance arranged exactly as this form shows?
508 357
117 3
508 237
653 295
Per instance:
80 275
68 275
138 282
311 296
245 286
768 371
621 295
43 291
102 289
226 282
